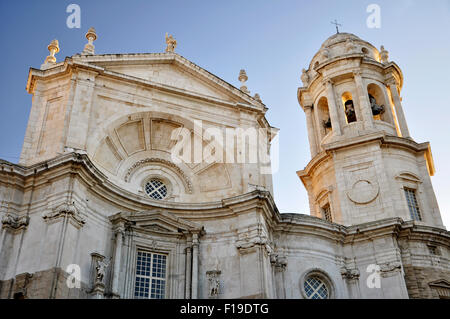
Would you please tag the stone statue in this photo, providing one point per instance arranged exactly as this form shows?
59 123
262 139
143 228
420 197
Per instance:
350 111
384 55
101 270
214 285
305 78
214 282
171 43
376 109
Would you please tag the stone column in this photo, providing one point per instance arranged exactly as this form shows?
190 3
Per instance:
399 109
364 103
188 273
332 107
117 257
311 132
195 243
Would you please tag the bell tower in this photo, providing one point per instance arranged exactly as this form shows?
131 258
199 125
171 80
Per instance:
365 166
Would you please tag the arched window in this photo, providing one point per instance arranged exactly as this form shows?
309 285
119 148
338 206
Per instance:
349 107
378 103
324 116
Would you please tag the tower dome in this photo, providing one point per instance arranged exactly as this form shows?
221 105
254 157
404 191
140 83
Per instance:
342 45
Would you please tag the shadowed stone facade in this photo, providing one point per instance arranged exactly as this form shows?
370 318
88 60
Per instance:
80 219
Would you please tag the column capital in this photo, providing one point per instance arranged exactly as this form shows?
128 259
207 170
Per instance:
391 82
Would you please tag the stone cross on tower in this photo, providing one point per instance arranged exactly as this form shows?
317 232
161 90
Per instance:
337 25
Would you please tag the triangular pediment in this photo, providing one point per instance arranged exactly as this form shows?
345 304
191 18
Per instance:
170 71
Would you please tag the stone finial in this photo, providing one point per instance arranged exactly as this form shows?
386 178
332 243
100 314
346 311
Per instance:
305 78
171 43
89 48
384 55
257 97
53 48
243 78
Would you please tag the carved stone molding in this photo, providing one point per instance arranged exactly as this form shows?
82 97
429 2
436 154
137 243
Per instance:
442 288
65 210
247 245
278 261
186 180
15 222
350 274
389 268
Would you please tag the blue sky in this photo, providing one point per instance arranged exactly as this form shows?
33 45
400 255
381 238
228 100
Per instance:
271 40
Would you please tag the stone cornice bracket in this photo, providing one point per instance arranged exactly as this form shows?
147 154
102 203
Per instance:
89 48
15 222
350 274
65 210
388 268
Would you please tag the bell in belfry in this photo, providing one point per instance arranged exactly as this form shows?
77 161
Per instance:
376 109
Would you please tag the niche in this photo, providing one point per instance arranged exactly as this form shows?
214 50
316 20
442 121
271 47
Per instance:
378 103
324 116
349 107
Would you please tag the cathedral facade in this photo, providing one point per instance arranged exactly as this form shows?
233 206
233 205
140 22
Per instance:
100 207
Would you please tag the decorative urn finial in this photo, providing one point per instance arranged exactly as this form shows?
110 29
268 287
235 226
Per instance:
171 43
89 48
243 78
53 48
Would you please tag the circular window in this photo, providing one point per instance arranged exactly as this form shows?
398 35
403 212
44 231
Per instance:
315 288
156 189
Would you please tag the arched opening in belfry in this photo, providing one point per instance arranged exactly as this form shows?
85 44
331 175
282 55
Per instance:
324 116
378 103
349 107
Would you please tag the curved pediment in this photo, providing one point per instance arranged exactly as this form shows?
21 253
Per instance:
408 176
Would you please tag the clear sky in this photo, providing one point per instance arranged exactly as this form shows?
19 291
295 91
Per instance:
271 40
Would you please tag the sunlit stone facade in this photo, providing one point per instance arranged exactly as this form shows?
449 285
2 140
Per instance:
98 207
